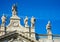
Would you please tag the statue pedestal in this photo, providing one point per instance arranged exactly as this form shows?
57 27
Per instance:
14 22
49 40
26 26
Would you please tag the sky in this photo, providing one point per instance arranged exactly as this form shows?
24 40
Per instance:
42 10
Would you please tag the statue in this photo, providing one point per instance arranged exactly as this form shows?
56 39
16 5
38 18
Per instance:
3 19
32 21
48 27
26 22
14 7
3 27
14 10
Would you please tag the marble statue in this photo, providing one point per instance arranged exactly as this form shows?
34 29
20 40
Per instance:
3 28
32 21
26 22
14 10
48 27
3 19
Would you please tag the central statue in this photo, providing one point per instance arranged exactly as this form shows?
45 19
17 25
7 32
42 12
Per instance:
14 9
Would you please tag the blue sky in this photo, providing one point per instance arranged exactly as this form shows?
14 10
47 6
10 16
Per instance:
42 10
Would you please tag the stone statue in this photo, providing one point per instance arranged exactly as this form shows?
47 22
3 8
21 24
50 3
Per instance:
26 22
48 27
14 9
3 28
3 19
32 21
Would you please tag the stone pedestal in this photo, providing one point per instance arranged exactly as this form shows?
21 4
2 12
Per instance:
50 37
49 40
